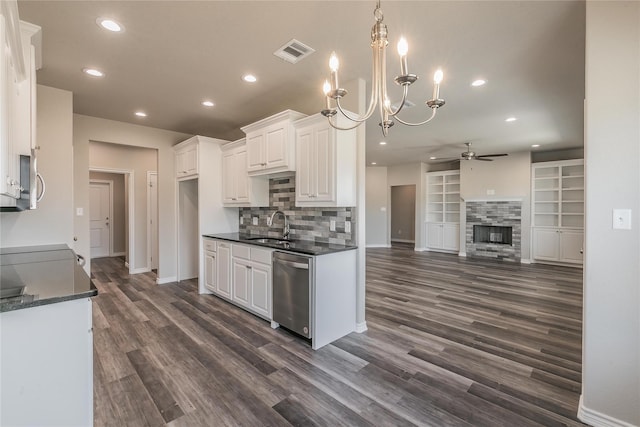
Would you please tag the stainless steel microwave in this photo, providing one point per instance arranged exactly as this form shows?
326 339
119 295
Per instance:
29 177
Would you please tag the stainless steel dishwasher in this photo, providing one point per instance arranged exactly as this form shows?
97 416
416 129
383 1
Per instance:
292 275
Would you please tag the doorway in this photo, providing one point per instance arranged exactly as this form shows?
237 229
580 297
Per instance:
152 224
100 218
403 214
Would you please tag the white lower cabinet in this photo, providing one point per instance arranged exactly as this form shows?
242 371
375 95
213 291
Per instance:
558 245
239 273
443 236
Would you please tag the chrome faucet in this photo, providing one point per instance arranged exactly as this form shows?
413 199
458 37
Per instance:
285 229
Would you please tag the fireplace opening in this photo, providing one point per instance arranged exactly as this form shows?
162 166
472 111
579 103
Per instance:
492 234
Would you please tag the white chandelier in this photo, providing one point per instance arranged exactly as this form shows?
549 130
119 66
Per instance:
379 83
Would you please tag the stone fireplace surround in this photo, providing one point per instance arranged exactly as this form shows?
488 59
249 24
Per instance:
504 213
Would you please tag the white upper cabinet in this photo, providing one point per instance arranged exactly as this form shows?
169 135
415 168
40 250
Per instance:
20 43
270 144
187 159
238 188
326 164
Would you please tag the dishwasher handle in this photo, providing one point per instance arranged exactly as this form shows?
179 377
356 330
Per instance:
299 265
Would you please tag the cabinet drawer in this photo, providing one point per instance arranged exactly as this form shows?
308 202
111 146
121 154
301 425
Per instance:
241 251
209 245
261 255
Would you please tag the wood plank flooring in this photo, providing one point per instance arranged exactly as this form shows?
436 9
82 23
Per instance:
451 342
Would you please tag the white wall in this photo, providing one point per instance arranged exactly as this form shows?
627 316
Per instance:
411 174
87 129
52 222
505 177
377 208
611 313
140 160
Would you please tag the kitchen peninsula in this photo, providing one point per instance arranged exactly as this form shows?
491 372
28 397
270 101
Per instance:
306 286
46 357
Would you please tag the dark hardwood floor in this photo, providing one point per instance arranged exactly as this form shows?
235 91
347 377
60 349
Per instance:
451 341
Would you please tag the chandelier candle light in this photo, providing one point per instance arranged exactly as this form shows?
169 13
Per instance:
379 85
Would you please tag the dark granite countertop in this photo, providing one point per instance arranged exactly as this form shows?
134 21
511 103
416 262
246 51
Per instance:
297 246
39 275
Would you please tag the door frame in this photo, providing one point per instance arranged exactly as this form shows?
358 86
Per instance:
129 174
109 183
149 225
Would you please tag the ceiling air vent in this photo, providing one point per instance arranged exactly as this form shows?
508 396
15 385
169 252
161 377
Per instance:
293 51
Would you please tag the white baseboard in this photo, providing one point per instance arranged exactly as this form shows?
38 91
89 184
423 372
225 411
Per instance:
525 261
118 254
463 254
378 246
420 249
598 419
361 327
139 270
164 280
402 241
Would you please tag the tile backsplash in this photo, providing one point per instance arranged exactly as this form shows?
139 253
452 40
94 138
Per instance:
305 223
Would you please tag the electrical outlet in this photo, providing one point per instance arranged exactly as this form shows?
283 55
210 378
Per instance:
347 226
491 192
622 219
254 220
332 225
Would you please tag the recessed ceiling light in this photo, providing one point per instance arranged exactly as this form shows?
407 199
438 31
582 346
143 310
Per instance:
478 82
383 143
93 72
432 158
373 163
250 78
141 114
207 103
510 119
110 24
535 146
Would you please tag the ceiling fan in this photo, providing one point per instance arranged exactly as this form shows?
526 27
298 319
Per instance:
471 155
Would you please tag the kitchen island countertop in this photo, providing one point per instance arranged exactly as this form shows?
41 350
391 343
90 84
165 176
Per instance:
39 275
306 247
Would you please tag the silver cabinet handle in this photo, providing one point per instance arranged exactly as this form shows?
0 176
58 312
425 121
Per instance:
294 264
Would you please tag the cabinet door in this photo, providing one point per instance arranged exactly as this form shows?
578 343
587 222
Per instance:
546 244
325 173
223 285
241 282
255 151
451 237
229 177
434 235
191 160
571 243
261 290
210 271
306 166
276 145
240 176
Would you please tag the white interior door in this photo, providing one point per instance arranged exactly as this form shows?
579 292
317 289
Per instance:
153 220
99 211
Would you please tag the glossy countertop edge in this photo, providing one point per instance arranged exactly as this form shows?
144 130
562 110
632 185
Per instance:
19 305
323 248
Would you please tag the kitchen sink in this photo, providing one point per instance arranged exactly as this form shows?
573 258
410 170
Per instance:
272 240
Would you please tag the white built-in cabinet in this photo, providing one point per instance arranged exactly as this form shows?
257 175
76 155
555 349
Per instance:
326 164
443 211
557 214
20 45
271 145
187 159
239 273
238 188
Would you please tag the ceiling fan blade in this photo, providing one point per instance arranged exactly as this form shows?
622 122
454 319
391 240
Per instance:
493 155
483 159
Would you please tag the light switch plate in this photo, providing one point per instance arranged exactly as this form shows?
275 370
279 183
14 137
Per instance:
254 220
622 219
491 192
79 211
